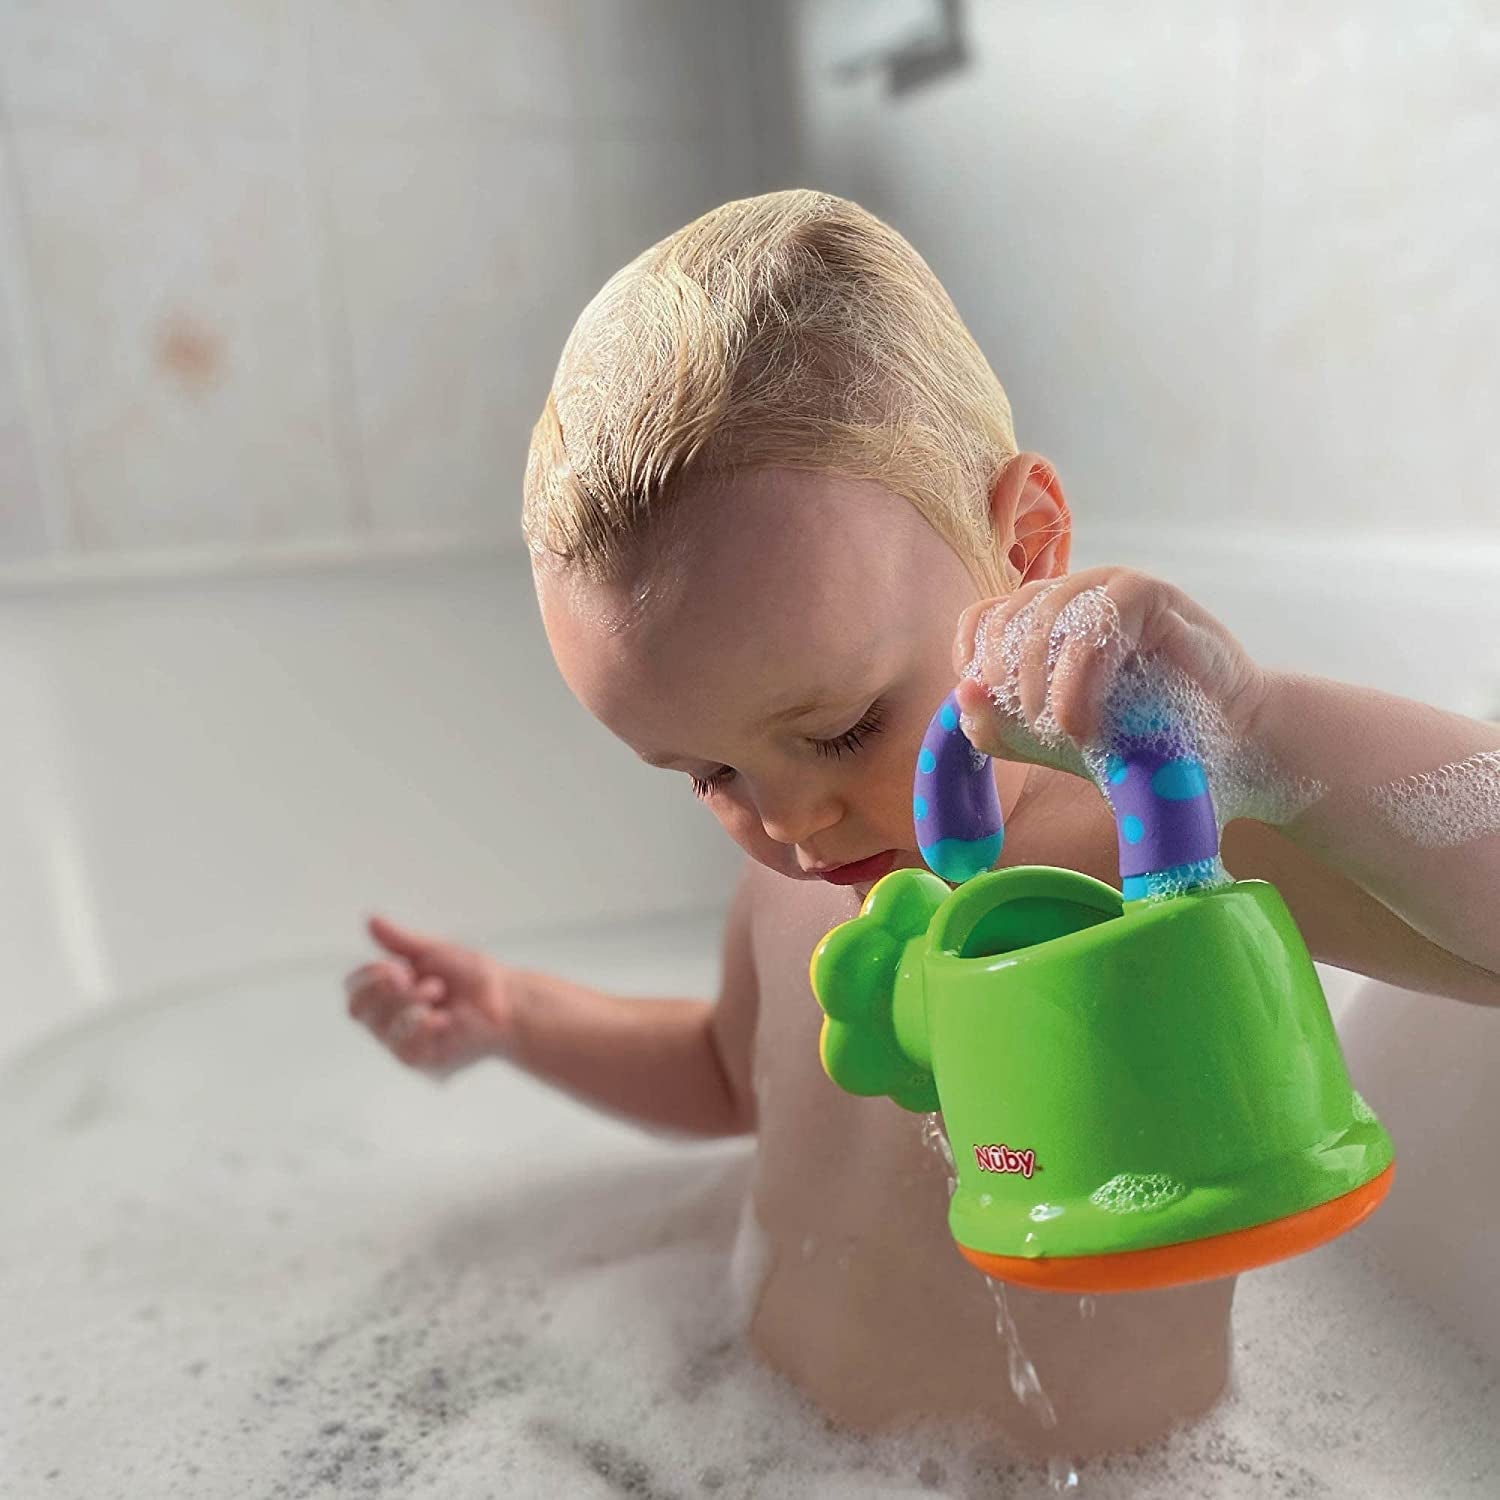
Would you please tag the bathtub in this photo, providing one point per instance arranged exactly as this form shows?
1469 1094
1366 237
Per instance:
243 1253
246 1254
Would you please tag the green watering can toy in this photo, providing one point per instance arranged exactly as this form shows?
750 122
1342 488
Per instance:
1140 1089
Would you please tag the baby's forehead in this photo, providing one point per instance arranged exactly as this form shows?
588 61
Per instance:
767 546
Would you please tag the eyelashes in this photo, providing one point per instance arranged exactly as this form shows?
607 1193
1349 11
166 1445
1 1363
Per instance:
847 742
852 739
702 786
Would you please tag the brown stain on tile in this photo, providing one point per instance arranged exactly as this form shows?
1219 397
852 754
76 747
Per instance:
191 353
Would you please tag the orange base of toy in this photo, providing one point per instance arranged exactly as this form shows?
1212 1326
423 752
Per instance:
1194 1260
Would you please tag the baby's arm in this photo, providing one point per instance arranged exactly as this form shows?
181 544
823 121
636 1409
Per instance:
1438 882
679 1065
682 1065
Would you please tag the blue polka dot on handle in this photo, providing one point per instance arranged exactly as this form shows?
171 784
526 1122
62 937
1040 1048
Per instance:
1164 813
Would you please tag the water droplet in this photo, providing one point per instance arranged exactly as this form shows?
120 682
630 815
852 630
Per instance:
1046 1211
1024 1380
935 1139
1086 1307
1062 1477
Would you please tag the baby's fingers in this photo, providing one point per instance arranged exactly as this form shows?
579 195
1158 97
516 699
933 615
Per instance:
407 1023
1076 691
369 984
977 718
416 1034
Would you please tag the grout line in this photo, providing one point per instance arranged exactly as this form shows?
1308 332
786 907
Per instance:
1246 216
186 564
152 125
33 359
1456 554
328 284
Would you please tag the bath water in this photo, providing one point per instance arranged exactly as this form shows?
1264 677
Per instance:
245 1258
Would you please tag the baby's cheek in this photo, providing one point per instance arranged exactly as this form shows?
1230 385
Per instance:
742 823
884 804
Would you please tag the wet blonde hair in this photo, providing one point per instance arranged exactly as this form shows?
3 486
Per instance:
792 329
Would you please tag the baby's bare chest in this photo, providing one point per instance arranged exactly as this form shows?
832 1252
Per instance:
829 1166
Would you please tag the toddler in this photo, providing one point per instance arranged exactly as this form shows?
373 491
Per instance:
775 510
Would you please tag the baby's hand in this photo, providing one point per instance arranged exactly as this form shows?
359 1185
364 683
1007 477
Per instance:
437 1006
1042 660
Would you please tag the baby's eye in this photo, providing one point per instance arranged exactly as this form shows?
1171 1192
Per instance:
702 785
852 739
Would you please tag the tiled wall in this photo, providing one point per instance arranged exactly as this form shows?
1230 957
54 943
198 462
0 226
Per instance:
1236 261
296 273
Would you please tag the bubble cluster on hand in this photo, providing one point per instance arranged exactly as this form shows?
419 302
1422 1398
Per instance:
1146 698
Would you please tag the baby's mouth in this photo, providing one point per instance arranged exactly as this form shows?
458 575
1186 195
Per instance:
864 871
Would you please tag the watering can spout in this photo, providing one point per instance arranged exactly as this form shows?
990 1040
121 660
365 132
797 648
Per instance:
874 1038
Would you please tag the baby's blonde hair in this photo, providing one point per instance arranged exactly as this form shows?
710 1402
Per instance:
792 329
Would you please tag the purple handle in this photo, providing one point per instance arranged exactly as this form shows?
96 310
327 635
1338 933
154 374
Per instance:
1164 814
1154 780
959 827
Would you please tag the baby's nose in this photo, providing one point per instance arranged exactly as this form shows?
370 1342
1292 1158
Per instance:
798 821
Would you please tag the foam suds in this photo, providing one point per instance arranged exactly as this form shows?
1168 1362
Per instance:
1245 782
1454 804
245 1257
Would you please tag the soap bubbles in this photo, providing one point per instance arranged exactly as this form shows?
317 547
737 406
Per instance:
1137 1192
1438 809
1147 699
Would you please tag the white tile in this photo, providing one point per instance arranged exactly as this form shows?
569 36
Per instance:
87 62
651 61
24 529
1380 296
463 259
1072 187
380 62
643 188
23 519
174 287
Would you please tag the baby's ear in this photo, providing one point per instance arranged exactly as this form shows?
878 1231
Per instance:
1027 504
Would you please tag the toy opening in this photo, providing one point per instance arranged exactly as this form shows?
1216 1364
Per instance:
1025 921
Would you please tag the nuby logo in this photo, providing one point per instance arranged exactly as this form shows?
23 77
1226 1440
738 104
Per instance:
1002 1159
